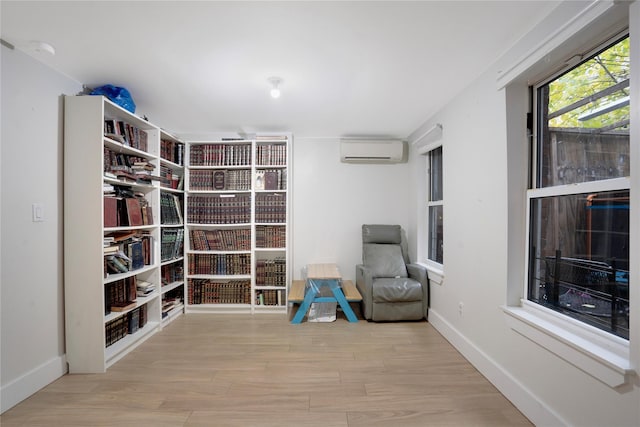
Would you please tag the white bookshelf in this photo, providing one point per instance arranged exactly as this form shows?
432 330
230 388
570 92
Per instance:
86 274
242 164
89 347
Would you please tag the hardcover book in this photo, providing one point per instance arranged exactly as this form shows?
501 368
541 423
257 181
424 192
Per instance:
219 180
136 254
111 212
122 306
134 213
270 180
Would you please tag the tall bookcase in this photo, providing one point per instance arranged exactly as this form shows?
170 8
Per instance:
112 232
237 233
154 227
172 155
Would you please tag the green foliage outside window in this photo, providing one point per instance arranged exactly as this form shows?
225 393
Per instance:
608 68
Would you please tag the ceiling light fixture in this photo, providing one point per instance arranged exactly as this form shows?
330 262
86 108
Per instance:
275 86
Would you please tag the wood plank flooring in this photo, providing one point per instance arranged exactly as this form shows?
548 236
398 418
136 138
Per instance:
242 370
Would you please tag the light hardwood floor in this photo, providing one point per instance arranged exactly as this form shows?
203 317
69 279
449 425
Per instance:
239 370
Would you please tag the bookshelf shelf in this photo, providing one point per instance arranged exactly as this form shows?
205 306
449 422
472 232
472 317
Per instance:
171 261
127 228
221 276
172 314
137 186
193 225
214 167
114 277
213 251
140 301
237 195
172 286
171 190
124 149
116 351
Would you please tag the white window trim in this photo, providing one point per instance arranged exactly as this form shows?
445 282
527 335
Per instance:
435 271
434 268
606 357
602 355
597 353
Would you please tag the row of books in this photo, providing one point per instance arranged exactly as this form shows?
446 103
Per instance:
203 291
130 323
120 295
171 243
271 272
172 151
219 180
126 134
271 208
271 179
271 297
272 154
220 155
126 211
170 209
171 273
213 209
220 264
115 161
271 236
172 299
238 239
127 251
170 178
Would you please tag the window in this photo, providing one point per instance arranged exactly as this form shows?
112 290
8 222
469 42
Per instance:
435 206
578 252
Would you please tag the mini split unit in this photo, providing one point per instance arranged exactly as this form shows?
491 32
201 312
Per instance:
361 150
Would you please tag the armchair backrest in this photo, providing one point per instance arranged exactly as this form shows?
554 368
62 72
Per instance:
382 250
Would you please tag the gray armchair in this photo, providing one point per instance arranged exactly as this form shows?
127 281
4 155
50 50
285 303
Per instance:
392 289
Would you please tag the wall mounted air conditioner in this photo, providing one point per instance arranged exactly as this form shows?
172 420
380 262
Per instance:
360 150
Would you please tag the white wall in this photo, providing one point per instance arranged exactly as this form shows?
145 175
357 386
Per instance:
331 201
478 247
32 316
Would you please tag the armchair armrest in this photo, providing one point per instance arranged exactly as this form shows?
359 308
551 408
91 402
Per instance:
364 283
419 273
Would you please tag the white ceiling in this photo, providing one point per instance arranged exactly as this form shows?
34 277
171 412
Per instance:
349 68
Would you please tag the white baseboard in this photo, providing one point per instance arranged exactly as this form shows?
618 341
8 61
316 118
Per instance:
19 389
521 397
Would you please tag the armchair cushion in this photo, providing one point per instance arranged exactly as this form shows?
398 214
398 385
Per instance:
396 290
384 260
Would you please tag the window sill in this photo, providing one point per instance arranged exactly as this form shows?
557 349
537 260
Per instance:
435 273
604 357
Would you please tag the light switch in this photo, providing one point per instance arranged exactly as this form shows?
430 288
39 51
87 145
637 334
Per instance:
37 212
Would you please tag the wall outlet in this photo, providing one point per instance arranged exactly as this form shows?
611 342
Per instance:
460 307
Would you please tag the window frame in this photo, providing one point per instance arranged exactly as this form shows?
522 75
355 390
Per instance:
537 189
430 203
605 356
436 268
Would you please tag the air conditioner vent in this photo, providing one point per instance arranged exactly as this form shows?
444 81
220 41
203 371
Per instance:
353 150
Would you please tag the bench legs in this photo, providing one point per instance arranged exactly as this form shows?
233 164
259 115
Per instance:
311 297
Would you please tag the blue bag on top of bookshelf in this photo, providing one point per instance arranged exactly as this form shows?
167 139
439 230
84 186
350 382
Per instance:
117 95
